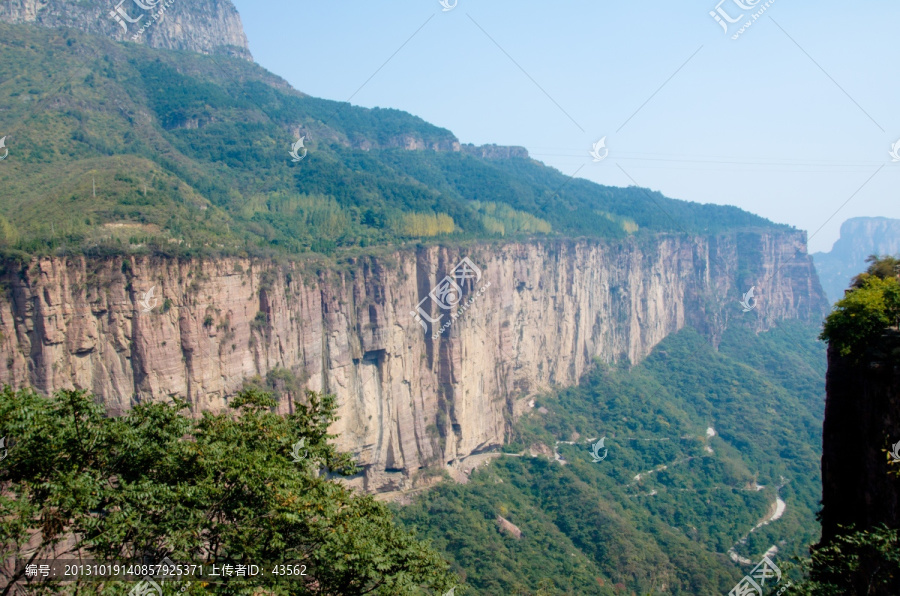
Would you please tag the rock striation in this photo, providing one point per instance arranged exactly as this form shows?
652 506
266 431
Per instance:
205 26
410 396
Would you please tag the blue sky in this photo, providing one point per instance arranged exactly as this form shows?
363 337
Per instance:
792 120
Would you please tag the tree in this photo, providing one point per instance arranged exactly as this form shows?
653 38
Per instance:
867 310
220 489
881 267
856 563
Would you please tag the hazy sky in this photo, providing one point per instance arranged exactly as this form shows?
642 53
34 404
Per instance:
791 120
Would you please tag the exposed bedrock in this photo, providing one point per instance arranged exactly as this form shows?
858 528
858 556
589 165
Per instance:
537 317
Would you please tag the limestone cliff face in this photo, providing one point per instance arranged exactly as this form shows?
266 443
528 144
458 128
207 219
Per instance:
536 318
495 151
204 26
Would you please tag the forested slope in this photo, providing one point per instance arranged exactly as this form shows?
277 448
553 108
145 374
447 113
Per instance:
590 526
116 147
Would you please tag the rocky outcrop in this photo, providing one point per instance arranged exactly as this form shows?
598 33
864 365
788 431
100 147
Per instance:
447 142
410 395
494 151
860 487
412 142
206 26
507 527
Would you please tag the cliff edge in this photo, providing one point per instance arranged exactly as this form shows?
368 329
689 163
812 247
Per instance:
536 315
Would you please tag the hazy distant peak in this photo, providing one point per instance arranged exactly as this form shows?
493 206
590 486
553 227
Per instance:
860 237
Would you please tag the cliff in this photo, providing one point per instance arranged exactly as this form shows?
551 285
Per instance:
860 237
538 315
495 151
862 423
204 26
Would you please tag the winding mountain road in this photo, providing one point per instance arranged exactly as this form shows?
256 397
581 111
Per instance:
778 508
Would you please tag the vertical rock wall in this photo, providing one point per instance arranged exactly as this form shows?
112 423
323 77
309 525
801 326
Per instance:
537 317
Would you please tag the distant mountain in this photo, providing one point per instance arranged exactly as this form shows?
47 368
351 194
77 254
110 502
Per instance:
860 237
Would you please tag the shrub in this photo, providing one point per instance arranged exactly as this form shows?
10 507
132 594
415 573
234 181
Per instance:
866 311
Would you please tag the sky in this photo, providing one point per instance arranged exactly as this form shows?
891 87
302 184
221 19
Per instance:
794 120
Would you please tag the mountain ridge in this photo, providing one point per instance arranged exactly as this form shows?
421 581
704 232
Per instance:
174 152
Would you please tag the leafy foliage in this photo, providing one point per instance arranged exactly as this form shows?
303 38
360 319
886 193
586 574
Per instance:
871 307
218 489
425 224
856 563
884 267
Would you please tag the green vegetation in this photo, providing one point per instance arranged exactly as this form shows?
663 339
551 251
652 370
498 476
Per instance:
502 219
155 483
219 489
425 224
591 528
871 307
855 564
119 148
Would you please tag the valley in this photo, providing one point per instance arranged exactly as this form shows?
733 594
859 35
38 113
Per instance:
757 489
244 324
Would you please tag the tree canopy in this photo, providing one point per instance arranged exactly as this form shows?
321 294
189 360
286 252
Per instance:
867 310
223 488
